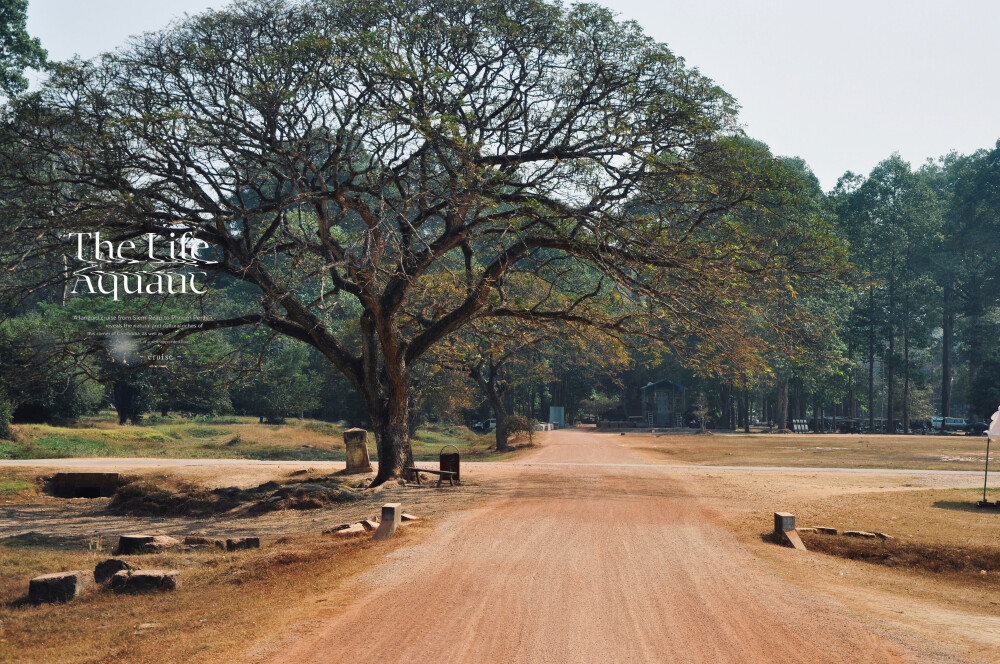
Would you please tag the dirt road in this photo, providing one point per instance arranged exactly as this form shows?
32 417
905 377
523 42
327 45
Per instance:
589 563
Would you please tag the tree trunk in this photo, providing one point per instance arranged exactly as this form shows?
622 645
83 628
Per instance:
781 416
725 392
746 411
975 358
947 342
495 390
816 414
385 390
906 379
500 413
871 361
392 440
890 412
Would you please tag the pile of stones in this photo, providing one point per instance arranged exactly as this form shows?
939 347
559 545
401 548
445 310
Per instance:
125 576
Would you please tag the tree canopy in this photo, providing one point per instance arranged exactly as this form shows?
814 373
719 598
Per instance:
378 175
18 49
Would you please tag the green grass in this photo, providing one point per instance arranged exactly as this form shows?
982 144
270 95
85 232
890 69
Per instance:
222 438
10 487
16 483
427 444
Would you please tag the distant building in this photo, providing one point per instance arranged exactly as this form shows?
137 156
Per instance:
663 404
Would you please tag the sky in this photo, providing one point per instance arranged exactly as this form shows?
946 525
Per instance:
841 84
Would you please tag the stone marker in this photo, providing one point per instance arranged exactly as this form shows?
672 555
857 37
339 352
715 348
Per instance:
391 518
860 533
145 580
826 531
784 531
783 521
197 542
370 524
139 544
242 543
356 441
807 530
58 587
108 568
409 517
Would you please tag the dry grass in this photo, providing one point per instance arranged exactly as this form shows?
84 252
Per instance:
949 452
222 438
169 497
965 564
931 518
228 604
927 580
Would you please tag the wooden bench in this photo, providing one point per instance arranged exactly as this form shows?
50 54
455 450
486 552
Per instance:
442 474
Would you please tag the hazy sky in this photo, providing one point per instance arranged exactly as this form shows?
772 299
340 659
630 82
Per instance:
841 84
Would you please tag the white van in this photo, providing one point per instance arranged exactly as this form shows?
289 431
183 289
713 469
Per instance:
948 423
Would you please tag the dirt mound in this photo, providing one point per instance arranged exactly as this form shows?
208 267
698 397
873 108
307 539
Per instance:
307 496
971 560
149 498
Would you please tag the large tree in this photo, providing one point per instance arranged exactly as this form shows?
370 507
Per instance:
892 220
18 49
375 172
968 264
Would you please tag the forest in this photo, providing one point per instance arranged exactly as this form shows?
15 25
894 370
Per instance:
431 212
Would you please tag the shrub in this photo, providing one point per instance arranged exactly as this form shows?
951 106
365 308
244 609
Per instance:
518 424
6 415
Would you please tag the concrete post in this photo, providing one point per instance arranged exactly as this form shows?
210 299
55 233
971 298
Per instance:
392 515
356 442
784 531
783 521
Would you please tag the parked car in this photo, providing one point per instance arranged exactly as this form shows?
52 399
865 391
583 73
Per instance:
977 428
485 426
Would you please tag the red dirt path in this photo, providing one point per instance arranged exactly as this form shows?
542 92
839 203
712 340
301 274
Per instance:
588 564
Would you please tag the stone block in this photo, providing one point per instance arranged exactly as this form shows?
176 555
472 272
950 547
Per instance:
242 543
139 544
409 517
356 442
58 587
335 529
391 517
353 529
196 542
806 530
884 536
860 533
783 521
145 580
108 568
826 531
369 525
